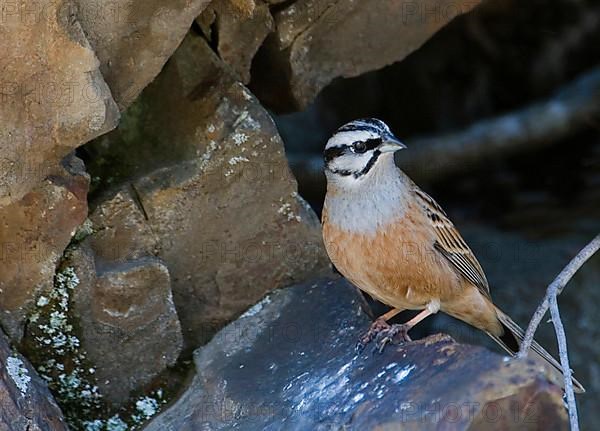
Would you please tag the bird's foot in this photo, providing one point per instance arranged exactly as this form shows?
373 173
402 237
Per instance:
395 334
378 326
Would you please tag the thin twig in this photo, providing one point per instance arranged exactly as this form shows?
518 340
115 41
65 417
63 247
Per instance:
554 289
550 301
564 362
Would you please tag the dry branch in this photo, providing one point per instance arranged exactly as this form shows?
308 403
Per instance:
575 106
550 301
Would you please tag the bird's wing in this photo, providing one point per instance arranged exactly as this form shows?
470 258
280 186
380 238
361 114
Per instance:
451 245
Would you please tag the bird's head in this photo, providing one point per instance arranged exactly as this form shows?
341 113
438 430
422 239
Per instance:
355 149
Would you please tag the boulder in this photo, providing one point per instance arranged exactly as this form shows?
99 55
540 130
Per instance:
53 96
289 363
33 235
318 40
133 39
213 187
25 401
128 305
237 32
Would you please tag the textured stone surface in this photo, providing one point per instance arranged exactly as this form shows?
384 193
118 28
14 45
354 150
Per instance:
25 402
53 97
33 234
289 363
134 38
238 32
215 190
128 323
318 40
121 232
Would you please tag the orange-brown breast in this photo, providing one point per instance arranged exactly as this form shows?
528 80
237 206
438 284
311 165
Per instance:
397 264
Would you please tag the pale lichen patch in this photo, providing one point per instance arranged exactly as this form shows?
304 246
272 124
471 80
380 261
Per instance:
18 373
239 138
287 211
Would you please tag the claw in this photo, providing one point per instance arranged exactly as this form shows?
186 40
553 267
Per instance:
378 326
395 334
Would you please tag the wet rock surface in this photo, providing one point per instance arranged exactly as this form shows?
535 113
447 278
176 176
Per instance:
25 401
289 363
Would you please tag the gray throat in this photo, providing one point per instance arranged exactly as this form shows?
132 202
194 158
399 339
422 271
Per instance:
363 205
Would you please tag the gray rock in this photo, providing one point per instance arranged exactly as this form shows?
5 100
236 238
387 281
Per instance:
25 401
289 363
318 40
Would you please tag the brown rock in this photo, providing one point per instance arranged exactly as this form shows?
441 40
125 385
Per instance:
25 402
289 363
134 39
216 192
33 234
122 232
129 326
53 97
319 40
240 31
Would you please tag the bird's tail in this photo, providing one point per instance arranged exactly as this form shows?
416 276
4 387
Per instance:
512 338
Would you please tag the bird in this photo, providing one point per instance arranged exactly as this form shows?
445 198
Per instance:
395 242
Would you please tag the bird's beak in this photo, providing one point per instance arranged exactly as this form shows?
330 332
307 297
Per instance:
391 144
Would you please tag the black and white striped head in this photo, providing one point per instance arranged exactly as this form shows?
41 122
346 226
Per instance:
355 148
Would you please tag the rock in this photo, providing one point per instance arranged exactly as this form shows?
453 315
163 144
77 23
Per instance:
318 40
105 333
215 191
121 232
53 95
134 38
25 401
128 305
238 32
33 234
289 363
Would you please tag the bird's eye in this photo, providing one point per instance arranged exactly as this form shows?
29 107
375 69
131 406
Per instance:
359 147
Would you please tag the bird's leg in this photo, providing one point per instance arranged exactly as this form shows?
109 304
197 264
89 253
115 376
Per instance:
399 333
378 325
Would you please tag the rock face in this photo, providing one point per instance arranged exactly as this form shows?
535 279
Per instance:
215 191
237 31
34 232
134 38
53 97
25 402
318 40
289 363
126 304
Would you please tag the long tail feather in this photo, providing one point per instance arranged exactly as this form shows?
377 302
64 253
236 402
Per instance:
511 341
